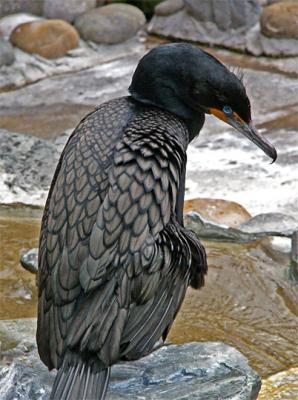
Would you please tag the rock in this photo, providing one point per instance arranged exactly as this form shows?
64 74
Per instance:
27 165
226 14
216 23
9 23
280 20
15 6
258 44
219 211
29 260
110 24
67 9
6 53
168 7
193 371
232 24
49 39
30 68
268 223
256 228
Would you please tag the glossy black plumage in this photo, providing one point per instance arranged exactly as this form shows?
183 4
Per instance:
115 259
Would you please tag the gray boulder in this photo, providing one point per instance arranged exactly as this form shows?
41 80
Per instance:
114 23
198 371
6 53
67 9
213 22
225 14
15 6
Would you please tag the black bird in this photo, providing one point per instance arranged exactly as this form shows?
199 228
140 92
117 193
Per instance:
115 259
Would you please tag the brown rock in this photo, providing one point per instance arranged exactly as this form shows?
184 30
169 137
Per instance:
9 23
49 38
280 20
220 211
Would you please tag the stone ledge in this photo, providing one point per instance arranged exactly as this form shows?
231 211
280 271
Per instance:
198 371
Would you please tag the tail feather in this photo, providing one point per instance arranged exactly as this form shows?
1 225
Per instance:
78 379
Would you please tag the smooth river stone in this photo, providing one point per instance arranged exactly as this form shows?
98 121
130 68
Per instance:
48 38
280 20
114 23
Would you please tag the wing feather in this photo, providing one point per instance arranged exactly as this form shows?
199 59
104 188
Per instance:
110 281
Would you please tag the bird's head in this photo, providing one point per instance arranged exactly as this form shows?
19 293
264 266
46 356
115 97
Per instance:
189 82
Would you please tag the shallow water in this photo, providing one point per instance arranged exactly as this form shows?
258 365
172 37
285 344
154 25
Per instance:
247 300
17 286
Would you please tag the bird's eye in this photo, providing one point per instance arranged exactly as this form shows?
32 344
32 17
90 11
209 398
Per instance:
227 110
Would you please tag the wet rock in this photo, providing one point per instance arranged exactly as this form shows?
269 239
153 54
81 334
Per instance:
49 38
219 23
280 20
6 53
114 23
15 6
193 370
269 223
29 260
219 211
9 23
67 9
256 228
168 7
27 165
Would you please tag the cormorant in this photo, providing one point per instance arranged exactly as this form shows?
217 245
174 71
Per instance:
115 259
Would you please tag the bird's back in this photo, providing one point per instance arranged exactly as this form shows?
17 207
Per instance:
114 262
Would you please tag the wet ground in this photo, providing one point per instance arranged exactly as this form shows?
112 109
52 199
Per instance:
248 301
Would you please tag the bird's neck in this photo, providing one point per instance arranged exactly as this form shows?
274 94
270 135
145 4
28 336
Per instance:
194 124
194 119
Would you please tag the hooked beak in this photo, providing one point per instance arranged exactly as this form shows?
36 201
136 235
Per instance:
247 130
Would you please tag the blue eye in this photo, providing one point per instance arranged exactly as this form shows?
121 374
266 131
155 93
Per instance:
227 110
